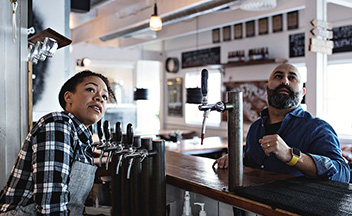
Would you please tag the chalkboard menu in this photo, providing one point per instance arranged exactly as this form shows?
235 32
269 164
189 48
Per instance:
342 38
297 45
201 57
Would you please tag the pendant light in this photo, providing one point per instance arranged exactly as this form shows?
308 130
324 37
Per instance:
155 23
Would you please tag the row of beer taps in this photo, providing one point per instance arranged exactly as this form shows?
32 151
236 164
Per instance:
126 148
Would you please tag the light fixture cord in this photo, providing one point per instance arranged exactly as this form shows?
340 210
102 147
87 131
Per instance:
155 9
14 26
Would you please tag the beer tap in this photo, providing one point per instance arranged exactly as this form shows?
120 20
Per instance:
100 136
107 134
204 85
106 128
219 106
234 107
130 155
116 144
93 145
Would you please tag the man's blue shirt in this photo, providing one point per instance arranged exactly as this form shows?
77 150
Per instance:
301 130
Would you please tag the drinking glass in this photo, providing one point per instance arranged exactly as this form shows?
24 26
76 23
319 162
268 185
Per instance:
50 46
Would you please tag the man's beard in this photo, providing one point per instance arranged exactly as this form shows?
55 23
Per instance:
283 101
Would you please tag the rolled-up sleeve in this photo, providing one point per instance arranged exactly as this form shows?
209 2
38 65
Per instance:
326 154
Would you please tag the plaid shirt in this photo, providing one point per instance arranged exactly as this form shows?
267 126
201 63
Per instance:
42 169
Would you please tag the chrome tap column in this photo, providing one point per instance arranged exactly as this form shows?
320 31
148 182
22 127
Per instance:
235 137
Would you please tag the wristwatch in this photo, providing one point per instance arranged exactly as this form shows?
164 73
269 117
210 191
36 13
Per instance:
296 154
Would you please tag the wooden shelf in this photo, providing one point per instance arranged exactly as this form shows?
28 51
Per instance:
248 63
61 40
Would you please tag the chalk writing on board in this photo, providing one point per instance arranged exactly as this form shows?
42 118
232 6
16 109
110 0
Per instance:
297 45
342 38
201 57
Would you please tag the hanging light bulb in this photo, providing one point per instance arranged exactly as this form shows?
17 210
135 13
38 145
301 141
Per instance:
155 23
86 61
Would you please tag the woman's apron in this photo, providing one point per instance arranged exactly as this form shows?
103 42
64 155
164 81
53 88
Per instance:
81 182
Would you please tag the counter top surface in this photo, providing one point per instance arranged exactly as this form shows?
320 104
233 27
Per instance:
196 174
189 146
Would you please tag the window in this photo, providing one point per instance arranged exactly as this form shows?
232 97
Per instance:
338 99
192 114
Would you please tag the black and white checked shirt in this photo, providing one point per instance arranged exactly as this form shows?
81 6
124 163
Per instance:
42 169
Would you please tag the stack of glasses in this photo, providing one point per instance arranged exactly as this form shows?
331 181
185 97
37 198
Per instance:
40 50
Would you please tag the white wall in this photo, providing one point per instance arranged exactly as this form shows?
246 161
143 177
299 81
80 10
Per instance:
54 15
13 86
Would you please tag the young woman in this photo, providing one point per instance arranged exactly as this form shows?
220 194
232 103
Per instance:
54 170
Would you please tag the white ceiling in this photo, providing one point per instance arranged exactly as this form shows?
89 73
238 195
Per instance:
114 16
123 23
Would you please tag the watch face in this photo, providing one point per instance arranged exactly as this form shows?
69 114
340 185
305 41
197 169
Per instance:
171 65
296 152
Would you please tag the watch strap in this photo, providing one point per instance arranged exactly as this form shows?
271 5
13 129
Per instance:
293 160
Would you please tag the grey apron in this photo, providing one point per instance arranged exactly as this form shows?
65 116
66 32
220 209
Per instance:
81 182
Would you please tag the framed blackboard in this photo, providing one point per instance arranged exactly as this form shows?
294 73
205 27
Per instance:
297 45
201 57
342 38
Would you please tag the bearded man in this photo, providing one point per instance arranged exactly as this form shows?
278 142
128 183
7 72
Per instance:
287 139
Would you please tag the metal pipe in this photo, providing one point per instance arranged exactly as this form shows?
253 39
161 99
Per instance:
125 190
159 179
116 201
235 137
146 193
135 181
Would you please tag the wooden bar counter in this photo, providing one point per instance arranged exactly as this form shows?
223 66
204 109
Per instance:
196 174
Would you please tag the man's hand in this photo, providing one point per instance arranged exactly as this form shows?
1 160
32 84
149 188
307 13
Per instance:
222 162
276 145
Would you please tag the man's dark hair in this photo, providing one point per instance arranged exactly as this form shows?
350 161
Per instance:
70 85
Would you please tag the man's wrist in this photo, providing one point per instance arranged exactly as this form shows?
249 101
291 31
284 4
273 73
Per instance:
296 155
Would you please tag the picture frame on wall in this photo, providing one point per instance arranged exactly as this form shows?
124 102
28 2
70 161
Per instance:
216 35
226 33
277 23
238 33
250 29
263 26
292 20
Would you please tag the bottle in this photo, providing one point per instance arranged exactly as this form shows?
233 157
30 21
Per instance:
202 211
187 211
266 55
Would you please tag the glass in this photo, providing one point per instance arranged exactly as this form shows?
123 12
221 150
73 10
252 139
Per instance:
38 51
32 51
49 46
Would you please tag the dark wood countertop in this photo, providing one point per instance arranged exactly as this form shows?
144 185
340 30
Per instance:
197 175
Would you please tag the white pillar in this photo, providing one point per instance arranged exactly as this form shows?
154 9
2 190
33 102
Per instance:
316 62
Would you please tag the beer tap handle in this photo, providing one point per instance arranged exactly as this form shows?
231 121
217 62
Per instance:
118 133
204 101
204 84
129 134
100 132
107 132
